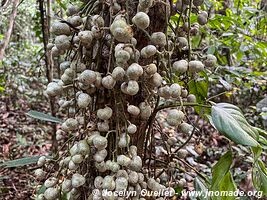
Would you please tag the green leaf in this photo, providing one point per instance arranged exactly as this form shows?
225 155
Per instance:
43 116
260 177
220 169
20 162
200 185
61 4
229 120
227 187
200 90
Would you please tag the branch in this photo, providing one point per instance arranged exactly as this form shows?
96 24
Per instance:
6 39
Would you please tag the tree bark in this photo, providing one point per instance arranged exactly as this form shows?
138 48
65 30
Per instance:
45 21
6 39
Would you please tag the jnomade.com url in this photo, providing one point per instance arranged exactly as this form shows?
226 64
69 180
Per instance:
237 193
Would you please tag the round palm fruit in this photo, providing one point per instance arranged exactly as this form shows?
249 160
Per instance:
184 93
148 51
124 140
191 98
75 21
77 180
118 73
136 163
50 182
182 42
41 161
133 151
62 42
77 159
134 71
40 174
108 82
175 117
164 92
132 88
101 167
98 182
159 39
55 52
186 128
100 155
71 124
151 69
66 185
180 66
59 28
172 141
84 100
103 126
123 160
122 56
133 177
175 90
124 86
141 20
51 193
202 19
121 184
98 20
64 65
100 142
112 166
156 80
72 10
198 2
145 109
86 37
121 31
195 66
108 183
133 110
210 61
83 147
53 89
87 77
132 129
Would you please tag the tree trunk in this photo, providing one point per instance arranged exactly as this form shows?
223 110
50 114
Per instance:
6 39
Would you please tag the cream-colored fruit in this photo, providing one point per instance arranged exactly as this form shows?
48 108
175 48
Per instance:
124 140
151 69
134 71
121 31
180 66
186 128
100 155
77 180
62 42
104 113
103 126
195 66
51 193
50 182
132 129
118 73
98 182
121 184
108 183
40 174
175 117
191 98
72 10
123 160
59 28
75 21
133 110
100 142
159 39
145 109
84 100
141 20
66 185
175 90
87 77
108 82
132 88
